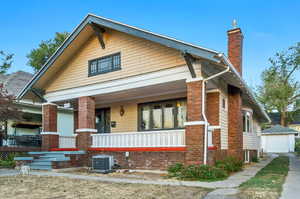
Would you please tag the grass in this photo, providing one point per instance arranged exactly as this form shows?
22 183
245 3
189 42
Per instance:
268 180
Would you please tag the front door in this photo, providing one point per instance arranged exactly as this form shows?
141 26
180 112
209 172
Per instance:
103 120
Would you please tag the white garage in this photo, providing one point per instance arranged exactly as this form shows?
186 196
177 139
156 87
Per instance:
278 139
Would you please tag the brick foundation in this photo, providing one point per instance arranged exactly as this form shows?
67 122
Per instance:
143 160
215 155
50 141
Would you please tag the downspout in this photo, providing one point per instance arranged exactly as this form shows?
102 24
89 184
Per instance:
203 106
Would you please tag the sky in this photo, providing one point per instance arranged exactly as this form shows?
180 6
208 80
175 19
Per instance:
268 26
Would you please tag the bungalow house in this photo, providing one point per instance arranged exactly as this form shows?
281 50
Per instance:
147 99
26 132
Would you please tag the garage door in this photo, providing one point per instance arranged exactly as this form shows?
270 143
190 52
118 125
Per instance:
277 143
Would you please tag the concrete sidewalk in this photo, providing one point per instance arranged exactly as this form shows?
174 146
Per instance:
291 188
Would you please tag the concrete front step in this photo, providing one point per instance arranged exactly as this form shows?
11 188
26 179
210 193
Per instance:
41 167
45 159
49 163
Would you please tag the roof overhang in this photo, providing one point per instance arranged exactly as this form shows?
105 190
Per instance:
197 51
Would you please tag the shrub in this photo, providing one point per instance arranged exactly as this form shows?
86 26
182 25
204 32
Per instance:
254 159
175 170
297 146
230 164
7 163
196 172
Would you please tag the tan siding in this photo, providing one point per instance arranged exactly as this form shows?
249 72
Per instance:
224 120
137 56
128 122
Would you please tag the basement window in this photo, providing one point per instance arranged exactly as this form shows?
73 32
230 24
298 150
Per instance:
105 64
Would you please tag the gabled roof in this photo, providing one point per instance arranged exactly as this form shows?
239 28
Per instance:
275 117
197 51
278 129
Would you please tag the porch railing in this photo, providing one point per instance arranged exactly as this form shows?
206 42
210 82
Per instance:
67 141
168 138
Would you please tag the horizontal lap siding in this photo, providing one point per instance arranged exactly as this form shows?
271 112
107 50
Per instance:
129 121
137 56
224 121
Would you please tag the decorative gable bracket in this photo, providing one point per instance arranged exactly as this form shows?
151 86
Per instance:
99 33
189 59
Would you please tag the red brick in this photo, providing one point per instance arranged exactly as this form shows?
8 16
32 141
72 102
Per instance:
194 133
235 122
235 48
86 120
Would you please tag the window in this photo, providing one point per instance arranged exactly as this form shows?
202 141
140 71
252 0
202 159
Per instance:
247 122
105 64
223 103
162 115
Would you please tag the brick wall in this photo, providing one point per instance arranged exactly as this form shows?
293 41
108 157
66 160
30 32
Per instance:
86 112
235 48
49 118
143 160
212 108
235 122
194 133
86 120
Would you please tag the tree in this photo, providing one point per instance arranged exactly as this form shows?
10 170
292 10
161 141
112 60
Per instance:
280 91
38 56
6 61
8 109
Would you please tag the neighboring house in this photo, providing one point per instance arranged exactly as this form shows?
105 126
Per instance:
295 124
25 131
278 139
148 100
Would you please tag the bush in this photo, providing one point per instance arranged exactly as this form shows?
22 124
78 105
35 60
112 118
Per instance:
8 162
254 159
297 146
175 170
230 164
196 172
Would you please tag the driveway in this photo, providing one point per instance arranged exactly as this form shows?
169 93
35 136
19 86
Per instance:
291 187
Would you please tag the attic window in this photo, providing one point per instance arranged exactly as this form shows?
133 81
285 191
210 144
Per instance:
105 64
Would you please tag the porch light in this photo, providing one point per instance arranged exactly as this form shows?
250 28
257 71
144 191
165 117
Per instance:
122 111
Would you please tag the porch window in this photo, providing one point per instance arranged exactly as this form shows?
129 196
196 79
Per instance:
105 64
162 115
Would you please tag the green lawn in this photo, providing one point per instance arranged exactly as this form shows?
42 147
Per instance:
269 180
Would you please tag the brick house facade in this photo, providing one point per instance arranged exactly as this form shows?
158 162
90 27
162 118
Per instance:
148 100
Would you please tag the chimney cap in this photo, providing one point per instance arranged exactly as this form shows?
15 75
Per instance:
234 23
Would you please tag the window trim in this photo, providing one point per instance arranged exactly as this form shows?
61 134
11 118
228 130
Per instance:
161 102
103 72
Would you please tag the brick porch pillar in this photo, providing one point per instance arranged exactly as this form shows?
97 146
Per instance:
86 122
235 122
50 136
194 130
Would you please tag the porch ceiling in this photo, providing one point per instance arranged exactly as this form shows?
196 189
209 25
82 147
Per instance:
168 88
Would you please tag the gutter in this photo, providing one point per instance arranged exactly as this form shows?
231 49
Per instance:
203 107
243 84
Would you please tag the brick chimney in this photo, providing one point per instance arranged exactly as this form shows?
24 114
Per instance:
235 48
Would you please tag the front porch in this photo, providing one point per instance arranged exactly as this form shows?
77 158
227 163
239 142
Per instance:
147 126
